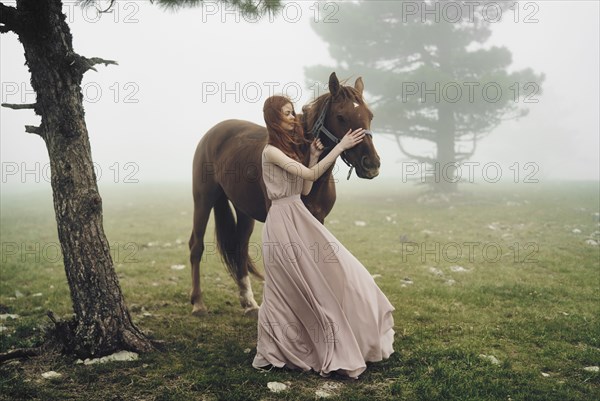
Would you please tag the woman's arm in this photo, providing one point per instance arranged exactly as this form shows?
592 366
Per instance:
275 155
307 185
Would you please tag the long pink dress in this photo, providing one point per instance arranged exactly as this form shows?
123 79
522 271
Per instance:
321 308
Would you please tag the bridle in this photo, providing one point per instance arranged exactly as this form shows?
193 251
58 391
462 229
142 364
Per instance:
319 128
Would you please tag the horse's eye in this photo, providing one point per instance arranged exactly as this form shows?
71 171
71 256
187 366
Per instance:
341 118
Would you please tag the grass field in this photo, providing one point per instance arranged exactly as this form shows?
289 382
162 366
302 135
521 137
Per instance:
502 271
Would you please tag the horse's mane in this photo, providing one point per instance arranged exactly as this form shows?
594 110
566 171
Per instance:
312 110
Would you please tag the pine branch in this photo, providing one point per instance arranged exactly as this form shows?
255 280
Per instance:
467 155
19 106
9 20
424 159
97 60
107 8
83 64
89 3
32 129
250 8
20 353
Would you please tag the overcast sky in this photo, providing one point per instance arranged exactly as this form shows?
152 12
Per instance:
181 72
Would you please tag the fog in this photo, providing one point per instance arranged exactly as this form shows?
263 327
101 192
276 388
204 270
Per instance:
181 72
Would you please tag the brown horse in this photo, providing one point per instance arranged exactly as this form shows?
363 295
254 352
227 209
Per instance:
227 168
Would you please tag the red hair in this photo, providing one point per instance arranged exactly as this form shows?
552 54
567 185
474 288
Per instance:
288 142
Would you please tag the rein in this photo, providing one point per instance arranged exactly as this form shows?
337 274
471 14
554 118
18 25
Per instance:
319 128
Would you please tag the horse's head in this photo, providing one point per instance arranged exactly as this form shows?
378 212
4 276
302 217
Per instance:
343 108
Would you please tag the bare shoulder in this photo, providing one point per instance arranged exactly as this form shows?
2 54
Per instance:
273 153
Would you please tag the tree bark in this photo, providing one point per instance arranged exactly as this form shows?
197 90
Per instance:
102 323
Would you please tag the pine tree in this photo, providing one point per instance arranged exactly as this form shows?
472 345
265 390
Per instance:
101 323
430 76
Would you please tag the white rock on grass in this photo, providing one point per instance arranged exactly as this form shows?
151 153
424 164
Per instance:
594 369
177 267
360 223
331 386
51 375
458 269
435 271
490 358
121 356
276 387
591 242
545 374
576 231
328 389
8 316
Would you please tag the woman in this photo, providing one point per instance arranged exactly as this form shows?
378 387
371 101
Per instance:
321 308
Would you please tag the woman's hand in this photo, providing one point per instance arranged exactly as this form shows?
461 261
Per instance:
352 138
316 148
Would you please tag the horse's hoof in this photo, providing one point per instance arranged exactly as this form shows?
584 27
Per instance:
251 312
199 311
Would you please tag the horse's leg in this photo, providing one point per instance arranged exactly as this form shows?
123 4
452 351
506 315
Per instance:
244 227
202 207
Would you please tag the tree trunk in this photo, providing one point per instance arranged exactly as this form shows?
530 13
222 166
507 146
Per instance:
102 323
446 153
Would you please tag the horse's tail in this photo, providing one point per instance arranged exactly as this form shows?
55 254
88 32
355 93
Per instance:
228 242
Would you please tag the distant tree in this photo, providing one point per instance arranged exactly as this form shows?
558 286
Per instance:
430 77
102 323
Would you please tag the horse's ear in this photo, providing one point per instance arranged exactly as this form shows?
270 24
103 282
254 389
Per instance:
359 85
334 84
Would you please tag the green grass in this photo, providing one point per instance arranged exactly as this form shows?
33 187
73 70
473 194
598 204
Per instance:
536 309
